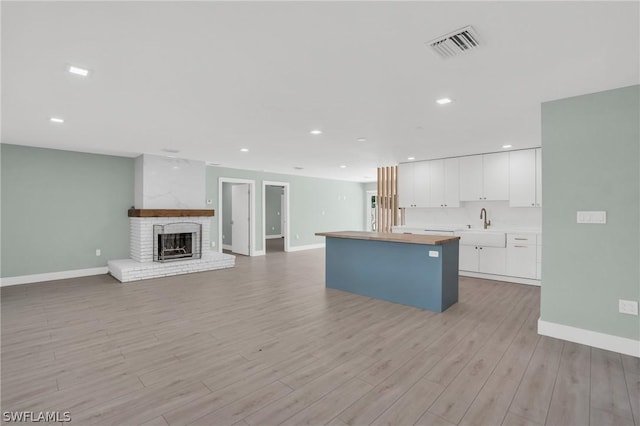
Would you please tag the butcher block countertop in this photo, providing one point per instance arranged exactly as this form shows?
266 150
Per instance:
431 240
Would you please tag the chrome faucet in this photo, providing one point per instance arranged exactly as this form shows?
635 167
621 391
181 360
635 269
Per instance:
487 223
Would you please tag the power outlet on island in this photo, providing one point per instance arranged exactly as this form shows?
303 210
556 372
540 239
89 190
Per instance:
629 307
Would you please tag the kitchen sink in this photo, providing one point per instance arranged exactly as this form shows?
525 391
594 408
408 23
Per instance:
482 237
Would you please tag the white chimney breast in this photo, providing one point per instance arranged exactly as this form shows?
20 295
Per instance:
169 183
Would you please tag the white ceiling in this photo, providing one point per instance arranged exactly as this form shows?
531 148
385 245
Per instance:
209 78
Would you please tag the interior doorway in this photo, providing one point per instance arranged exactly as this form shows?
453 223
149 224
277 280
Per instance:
275 216
371 211
236 216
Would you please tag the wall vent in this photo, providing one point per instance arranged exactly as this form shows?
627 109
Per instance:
455 42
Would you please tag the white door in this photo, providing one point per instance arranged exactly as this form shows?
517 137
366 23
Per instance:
492 260
240 219
468 258
539 177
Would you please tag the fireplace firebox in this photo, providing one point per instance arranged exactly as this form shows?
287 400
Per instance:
177 241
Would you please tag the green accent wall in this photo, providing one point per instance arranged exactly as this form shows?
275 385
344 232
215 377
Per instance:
341 202
591 161
272 209
58 207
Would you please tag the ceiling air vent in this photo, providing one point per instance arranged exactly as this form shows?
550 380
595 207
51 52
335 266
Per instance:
455 42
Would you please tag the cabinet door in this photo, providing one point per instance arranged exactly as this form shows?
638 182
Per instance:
471 178
492 260
436 183
521 261
522 178
496 176
452 182
539 177
405 185
468 258
421 184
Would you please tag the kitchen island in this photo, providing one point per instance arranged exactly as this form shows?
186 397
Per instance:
415 270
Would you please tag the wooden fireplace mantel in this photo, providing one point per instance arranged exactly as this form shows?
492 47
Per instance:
170 212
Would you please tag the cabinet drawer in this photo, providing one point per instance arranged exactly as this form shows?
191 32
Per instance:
521 239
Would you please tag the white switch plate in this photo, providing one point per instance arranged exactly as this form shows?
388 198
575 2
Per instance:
628 307
433 253
98 252
599 217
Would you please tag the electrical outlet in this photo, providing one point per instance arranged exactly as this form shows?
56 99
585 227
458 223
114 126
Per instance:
297 236
98 252
213 243
629 307
434 253
597 217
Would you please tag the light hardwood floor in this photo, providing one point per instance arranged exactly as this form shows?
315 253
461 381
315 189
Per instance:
265 344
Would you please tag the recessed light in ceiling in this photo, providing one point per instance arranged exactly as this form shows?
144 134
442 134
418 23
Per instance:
361 139
171 150
56 120
411 158
316 132
244 149
343 166
209 163
298 168
507 146
78 71
444 101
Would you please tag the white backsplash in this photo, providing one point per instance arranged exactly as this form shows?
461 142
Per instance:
499 212
169 183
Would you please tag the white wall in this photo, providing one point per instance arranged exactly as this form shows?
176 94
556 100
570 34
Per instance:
499 212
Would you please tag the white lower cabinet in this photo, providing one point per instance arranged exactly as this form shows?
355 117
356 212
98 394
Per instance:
486 260
522 255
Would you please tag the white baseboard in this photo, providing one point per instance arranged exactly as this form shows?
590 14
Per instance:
307 247
516 280
52 276
227 247
273 237
590 338
259 253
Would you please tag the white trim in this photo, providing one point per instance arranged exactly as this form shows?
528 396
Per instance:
286 232
307 247
590 338
227 247
252 212
504 278
52 276
273 237
259 253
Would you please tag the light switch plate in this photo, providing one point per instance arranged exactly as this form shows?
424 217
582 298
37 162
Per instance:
628 307
434 253
592 217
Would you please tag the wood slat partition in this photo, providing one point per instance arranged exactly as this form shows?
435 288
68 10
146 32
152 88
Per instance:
388 212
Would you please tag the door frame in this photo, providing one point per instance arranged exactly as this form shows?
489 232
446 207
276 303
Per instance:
252 212
285 229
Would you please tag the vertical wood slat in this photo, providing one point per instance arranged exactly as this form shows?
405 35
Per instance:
388 214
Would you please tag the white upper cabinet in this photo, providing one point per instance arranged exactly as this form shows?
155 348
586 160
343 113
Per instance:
539 177
452 182
471 178
524 178
436 183
484 177
413 184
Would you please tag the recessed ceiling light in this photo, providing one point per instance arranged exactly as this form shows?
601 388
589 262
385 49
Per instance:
78 71
171 150
244 149
343 166
361 139
209 163
298 168
411 158
56 120
316 132
506 146
444 101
